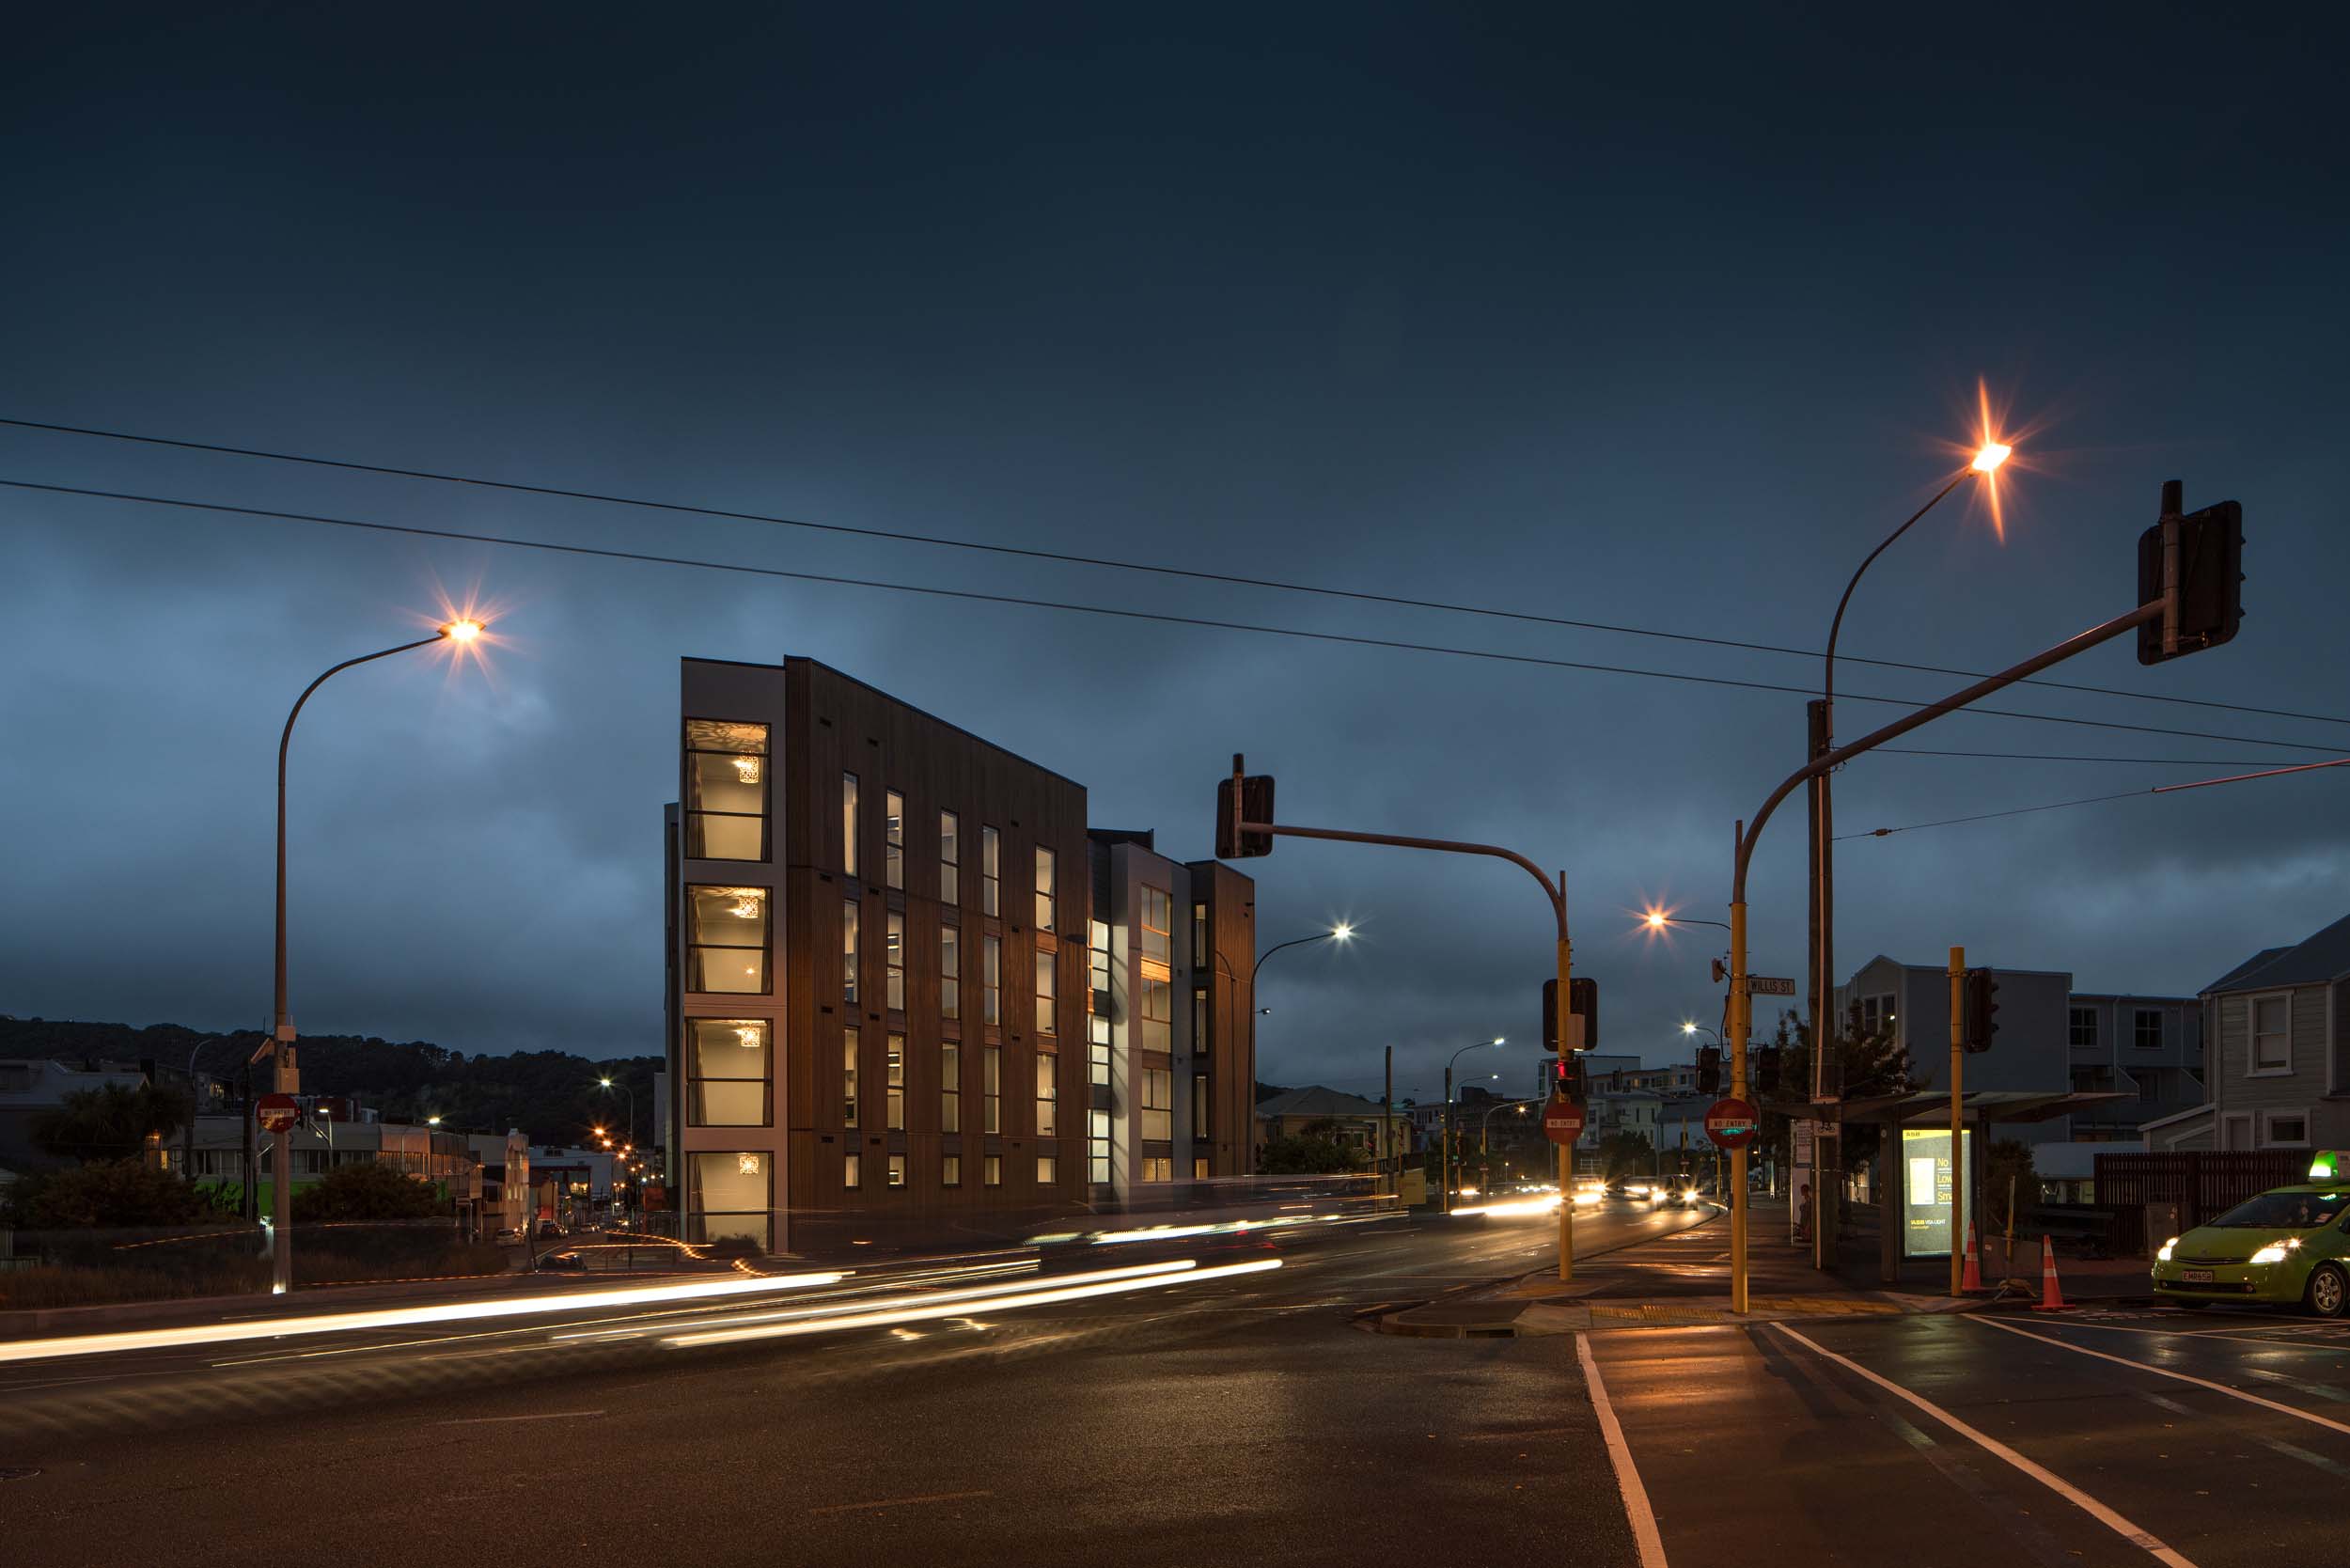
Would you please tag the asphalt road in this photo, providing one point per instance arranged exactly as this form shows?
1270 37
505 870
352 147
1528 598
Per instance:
1232 1418
2118 1438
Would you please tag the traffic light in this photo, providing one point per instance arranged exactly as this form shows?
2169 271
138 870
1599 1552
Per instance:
1243 798
1567 1077
1582 1002
1709 1069
2210 604
1981 1001
1766 1070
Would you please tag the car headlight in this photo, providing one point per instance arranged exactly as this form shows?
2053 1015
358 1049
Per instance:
2163 1253
2275 1251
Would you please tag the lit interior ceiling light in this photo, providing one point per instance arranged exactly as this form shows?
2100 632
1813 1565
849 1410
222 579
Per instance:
747 902
746 1164
746 768
751 1035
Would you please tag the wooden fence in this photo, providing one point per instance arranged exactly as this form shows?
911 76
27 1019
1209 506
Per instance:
2202 1182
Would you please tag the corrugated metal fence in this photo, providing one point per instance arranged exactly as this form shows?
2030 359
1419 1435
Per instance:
2202 1182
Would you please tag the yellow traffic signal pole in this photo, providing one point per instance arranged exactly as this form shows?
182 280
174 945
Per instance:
1958 1166
1740 1005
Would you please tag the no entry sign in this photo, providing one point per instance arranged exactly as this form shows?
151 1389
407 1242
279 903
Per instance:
277 1113
1732 1123
1563 1120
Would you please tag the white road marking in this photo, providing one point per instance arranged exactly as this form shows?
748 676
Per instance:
1619 1454
2230 1337
900 1503
2163 1372
2143 1539
542 1416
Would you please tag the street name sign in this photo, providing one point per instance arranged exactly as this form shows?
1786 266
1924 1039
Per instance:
1732 1123
1769 985
1563 1120
277 1113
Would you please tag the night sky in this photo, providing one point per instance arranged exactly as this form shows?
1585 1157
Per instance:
1660 322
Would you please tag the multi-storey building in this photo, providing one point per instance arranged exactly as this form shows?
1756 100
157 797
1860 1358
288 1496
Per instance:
894 1016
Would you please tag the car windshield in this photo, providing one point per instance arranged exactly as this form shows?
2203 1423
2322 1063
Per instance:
2284 1210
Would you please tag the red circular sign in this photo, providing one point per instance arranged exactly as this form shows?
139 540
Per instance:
277 1113
1563 1120
1732 1123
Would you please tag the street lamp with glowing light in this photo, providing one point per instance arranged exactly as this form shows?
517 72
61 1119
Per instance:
462 631
1992 454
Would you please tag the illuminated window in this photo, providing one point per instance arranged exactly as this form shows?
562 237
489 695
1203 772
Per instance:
1158 1010
848 822
991 980
949 858
894 957
950 1170
950 972
1047 990
725 934
1098 1146
1047 1170
951 1089
1200 1168
848 951
991 1171
897 1170
728 1197
848 1075
991 1090
893 838
726 791
897 1083
726 1072
1158 1169
1098 1003
1047 1094
852 1170
1158 922
1158 1103
1045 889
991 876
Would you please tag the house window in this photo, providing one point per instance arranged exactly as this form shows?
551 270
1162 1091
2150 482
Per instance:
893 838
848 822
991 1171
2286 1129
1047 1170
1047 880
1047 1094
847 951
950 1170
1158 919
2146 1033
949 858
726 791
950 972
1876 1016
2272 1040
991 871
992 1091
1158 1104
897 1170
894 957
1200 957
1048 988
726 1072
848 1075
951 1089
725 934
2082 1027
896 1085
1158 1010
991 980
852 1170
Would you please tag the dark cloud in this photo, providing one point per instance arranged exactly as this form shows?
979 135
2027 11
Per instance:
1586 322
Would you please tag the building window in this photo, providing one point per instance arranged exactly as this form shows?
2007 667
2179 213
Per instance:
951 1089
728 1074
991 1171
2146 1031
728 1197
1045 889
950 1170
991 871
2082 1029
1047 994
847 951
949 860
852 1170
1199 1105
1201 959
1876 1016
1098 1146
848 822
1158 920
1047 1095
1158 1169
1158 1010
1200 1168
1158 1104
726 791
897 1084
990 1090
1048 1171
2285 1128
1098 1003
848 1075
893 838
2272 1043
949 973
725 938
894 956
1199 1019
897 1170
991 980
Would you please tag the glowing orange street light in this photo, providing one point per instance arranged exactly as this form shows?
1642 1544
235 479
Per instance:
467 630
1992 454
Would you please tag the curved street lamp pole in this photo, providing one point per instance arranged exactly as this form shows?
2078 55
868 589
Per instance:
1445 1176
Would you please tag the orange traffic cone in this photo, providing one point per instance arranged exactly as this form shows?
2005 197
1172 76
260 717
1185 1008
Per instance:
1971 1280
2051 1298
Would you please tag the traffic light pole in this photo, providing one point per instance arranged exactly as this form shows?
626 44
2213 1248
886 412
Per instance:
1556 893
1958 1100
1741 1005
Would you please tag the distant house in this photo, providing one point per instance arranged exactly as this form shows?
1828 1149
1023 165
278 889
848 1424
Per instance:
2275 1055
29 1086
1314 1111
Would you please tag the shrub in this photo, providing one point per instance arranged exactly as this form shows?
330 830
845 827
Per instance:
122 1194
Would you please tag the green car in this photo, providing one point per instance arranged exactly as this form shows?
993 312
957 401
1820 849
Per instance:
2288 1247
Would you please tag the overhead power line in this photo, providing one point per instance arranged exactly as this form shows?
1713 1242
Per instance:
1163 618
2062 756
943 542
2098 800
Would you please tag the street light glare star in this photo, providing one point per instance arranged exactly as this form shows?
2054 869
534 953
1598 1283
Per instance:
462 631
1992 454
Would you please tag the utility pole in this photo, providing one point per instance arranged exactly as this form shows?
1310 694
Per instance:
1958 1164
1387 1125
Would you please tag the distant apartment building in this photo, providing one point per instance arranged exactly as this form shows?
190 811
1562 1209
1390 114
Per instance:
898 1008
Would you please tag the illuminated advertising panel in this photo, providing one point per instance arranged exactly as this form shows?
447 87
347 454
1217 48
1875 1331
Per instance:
1926 1185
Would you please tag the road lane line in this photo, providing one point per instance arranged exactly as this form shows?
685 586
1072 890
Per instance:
1619 1454
2144 1540
2163 1372
900 1503
542 1416
2337 1347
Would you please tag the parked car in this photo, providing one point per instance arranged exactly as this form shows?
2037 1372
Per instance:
548 1227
